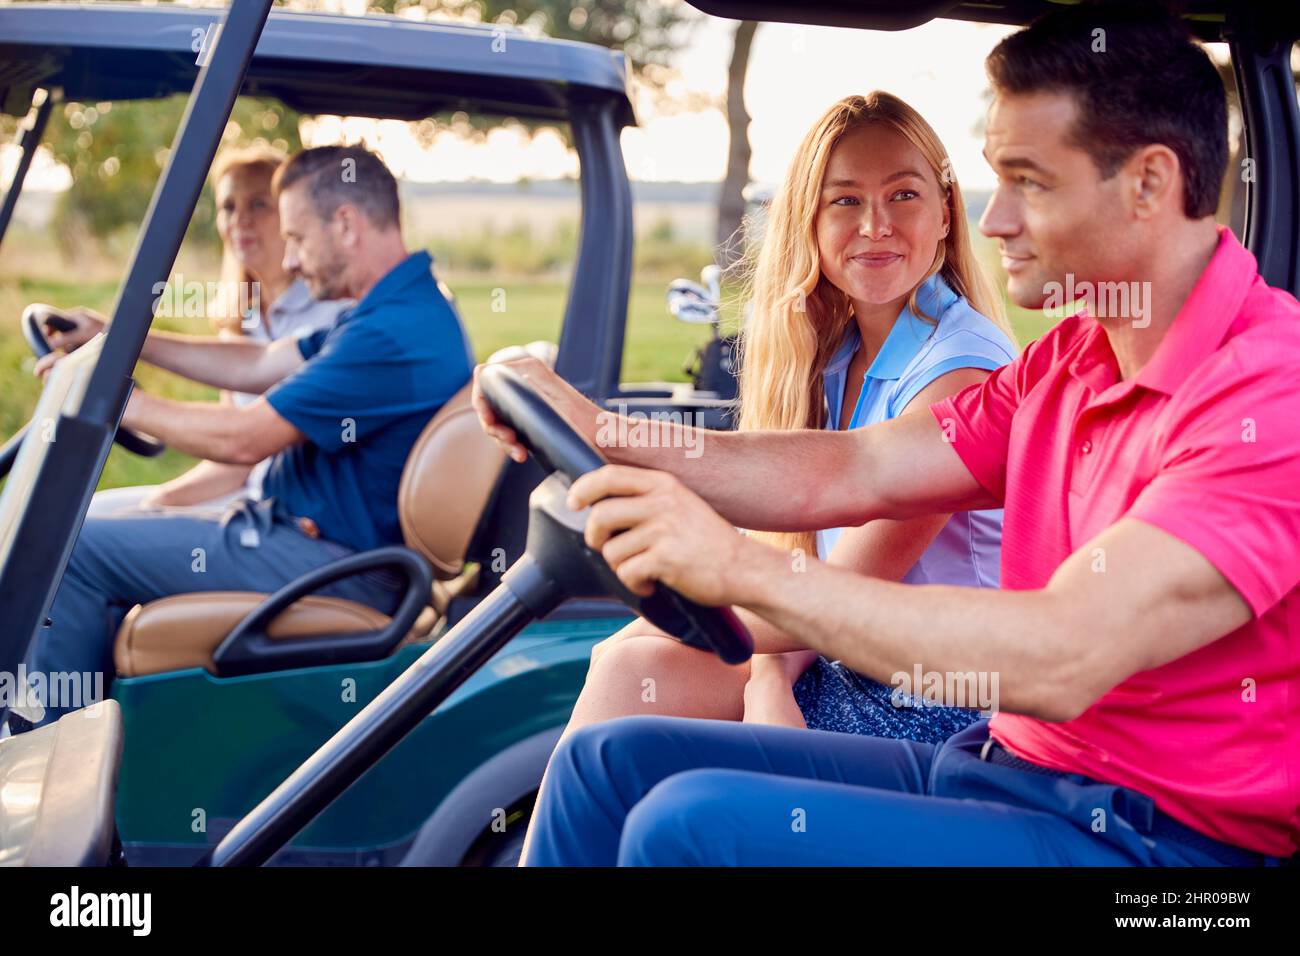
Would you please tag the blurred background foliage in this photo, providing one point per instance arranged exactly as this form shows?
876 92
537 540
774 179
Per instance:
116 151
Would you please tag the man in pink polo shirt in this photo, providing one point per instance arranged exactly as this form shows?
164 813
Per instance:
1147 453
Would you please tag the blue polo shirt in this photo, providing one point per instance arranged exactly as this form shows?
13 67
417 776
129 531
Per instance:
369 386
915 353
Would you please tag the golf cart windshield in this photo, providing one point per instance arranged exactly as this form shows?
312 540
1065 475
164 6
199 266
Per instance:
1259 34
377 66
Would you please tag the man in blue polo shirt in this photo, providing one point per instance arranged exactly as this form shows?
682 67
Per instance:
338 414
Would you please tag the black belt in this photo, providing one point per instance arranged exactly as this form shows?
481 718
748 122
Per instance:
1163 826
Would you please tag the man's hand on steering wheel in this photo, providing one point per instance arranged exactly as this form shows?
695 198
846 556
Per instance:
559 394
650 527
85 325
558 534
48 330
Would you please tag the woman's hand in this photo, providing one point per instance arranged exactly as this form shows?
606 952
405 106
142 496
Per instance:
153 500
769 694
45 363
786 668
204 482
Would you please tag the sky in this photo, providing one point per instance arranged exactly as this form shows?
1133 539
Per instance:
795 72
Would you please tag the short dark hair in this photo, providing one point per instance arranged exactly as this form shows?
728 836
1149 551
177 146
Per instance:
343 174
1152 84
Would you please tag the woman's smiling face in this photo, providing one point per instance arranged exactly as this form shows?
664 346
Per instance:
248 220
881 215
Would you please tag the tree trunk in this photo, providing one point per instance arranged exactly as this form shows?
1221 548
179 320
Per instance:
731 201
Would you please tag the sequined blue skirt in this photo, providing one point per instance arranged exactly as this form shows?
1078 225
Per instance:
833 697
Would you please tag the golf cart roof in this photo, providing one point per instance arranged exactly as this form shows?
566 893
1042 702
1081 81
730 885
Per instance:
1209 20
379 66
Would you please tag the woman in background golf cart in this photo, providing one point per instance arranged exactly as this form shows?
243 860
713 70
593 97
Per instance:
868 303
255 297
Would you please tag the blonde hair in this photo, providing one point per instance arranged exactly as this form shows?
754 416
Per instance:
799 318
224 311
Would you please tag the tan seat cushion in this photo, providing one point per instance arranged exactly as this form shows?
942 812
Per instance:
446 485
185 630
450 474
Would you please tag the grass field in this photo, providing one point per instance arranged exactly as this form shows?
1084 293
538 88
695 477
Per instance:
655 345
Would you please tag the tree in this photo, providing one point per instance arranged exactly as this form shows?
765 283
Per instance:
731 199
116 151
648 31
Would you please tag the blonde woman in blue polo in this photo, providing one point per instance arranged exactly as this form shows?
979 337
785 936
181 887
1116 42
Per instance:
868 303
916 353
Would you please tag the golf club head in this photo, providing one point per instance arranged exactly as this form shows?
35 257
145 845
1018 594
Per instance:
687 287
690 302
711 276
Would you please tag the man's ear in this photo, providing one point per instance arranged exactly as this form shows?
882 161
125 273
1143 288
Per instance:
1155 180
347 219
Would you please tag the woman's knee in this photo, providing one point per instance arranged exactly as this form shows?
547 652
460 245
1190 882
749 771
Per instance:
644 671
637 656
654 665
639 628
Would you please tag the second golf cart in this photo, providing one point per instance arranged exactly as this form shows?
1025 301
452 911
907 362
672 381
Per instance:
221 696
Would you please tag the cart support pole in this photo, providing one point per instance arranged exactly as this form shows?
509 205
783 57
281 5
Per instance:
30 139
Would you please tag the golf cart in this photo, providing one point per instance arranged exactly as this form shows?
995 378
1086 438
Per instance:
554 571
286 671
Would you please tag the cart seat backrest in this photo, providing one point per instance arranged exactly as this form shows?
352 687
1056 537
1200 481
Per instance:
450 474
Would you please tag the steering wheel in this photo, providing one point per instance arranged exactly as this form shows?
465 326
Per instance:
36 318
561 450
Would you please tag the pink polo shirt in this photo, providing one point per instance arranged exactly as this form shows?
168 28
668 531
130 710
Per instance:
1204 443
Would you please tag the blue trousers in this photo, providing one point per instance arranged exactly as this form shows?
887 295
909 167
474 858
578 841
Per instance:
126 559
669 791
